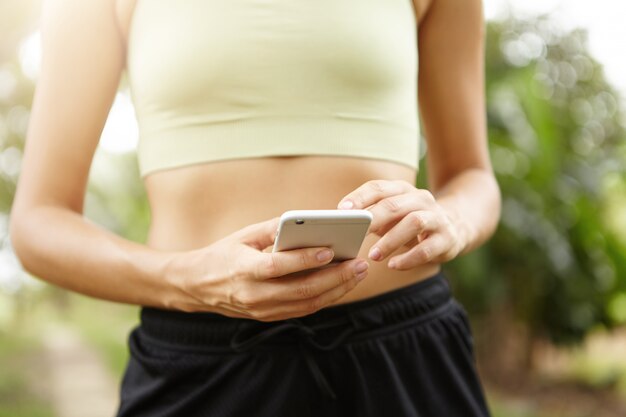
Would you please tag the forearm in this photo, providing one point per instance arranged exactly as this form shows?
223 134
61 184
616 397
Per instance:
64 248
472 201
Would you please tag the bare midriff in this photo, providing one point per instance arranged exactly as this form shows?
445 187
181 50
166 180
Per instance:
195 205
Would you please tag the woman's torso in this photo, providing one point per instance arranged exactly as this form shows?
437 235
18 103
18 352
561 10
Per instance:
195 205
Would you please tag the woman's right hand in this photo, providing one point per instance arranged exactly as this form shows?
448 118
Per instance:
234 277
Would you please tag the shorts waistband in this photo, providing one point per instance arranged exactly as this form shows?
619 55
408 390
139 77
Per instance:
415 301
323 330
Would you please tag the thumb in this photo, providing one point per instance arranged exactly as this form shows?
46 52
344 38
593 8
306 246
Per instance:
259 235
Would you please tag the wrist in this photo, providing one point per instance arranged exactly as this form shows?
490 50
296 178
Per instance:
153 269
176 272
191 283
464 232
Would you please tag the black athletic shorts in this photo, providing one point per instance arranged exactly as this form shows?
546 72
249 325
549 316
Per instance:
407 352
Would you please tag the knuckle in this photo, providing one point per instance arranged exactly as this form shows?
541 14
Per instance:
346 274
304 291
377 186
254 314
303 260
262 315
427 195
315 304
425 253
237 268
246 300
270 267
416 220
391 205
402 186
448 256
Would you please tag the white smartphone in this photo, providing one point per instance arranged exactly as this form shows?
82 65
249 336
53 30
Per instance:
341 230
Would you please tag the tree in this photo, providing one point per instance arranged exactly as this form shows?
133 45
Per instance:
557 263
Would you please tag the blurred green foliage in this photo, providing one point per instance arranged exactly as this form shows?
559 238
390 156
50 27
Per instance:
22 364
557 141
16 93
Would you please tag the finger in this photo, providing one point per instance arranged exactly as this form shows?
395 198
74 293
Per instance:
392 209
372 192
277 264
429 250
305 307
258 235
313 284
407 230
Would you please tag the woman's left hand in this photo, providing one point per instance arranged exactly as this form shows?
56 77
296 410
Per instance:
406 216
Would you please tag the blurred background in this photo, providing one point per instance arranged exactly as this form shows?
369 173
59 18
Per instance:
547 295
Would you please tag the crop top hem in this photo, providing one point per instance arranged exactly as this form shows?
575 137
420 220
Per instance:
277 136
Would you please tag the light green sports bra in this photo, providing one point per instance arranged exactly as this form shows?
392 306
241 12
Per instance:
215 80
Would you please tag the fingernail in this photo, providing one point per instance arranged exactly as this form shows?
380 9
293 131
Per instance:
361 267
392 264
345 205
324 255
361 276
375 254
